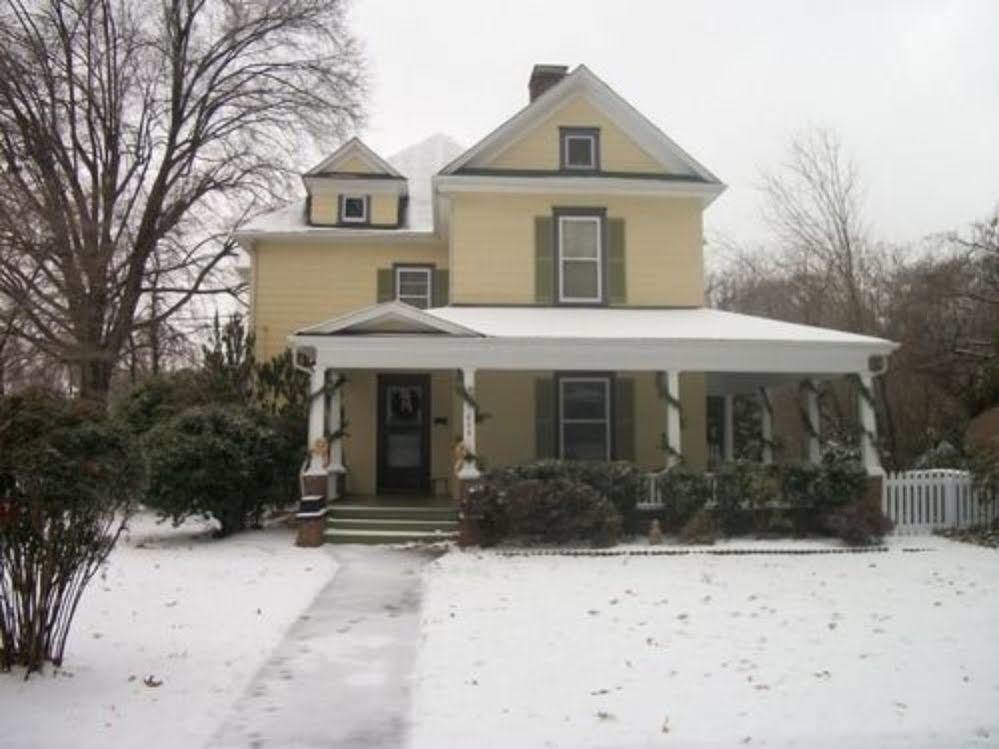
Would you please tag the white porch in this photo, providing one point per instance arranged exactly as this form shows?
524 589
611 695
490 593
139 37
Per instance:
733 354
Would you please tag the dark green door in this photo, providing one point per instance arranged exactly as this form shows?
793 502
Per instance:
403 433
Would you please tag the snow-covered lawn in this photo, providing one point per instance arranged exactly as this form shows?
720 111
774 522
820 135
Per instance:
197 615
889 649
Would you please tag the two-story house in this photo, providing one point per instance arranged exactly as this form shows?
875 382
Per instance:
543 296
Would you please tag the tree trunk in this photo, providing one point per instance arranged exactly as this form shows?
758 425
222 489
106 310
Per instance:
95 379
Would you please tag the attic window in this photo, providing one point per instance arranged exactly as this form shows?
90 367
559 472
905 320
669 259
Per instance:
354 209
580 148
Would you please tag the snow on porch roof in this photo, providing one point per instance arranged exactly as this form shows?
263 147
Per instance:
699 323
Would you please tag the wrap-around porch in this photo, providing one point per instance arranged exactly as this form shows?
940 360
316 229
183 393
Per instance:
418 401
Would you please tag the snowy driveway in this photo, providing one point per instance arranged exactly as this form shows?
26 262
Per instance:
889 649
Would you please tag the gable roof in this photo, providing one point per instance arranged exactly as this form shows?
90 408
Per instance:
583 81
353 147
388 318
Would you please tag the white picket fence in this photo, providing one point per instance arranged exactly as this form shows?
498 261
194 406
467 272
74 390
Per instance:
921 502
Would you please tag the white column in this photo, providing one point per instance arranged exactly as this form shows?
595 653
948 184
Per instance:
334 421
673 419
729 429
812 413
766 425
317 420
868 427
468 470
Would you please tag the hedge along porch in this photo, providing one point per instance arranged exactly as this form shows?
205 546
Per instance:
551 380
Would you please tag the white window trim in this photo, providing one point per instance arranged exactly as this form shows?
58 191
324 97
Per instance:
363 219
593 151
426 271
599 260
607 419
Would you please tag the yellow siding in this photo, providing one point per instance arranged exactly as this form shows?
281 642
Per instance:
492 247
384 208
301 284
538 149
357 165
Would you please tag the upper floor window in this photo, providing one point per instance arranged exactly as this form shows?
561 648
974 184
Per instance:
581 257
414 285
579 148
354 209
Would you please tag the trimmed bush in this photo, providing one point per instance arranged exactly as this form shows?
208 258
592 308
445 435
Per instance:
701 529
858 523
621 482
217 462
685 492
742 491
543 511
69 479
813 491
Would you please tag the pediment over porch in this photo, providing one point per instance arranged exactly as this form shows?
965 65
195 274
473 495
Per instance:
389 318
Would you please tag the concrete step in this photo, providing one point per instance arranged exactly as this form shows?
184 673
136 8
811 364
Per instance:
379 512
339 536
392 524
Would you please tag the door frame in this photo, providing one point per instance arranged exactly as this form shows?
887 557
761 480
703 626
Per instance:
385 380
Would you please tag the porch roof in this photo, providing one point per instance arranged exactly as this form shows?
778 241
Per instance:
396 336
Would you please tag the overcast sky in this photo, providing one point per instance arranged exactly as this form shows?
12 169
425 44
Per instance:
912 87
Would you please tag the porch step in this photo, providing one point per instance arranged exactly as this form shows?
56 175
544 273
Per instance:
389 524
339 511
393 524
348 536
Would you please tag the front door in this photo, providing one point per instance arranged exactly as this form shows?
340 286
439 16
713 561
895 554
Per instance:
403 433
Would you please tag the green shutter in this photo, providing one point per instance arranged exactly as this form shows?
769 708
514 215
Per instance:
440 294
544 417
386 285
624 418
544 260
616 279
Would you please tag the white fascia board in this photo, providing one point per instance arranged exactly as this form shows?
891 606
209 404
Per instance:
247 237
429 352
457 183
331 185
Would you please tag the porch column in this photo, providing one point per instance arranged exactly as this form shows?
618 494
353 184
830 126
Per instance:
311 514
766 425
334 425
813 425
468 471
868 425
318 455
728 449
673 447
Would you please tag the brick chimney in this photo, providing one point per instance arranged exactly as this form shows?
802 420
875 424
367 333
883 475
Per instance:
543 77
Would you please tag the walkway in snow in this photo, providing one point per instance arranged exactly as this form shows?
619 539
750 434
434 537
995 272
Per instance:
341 676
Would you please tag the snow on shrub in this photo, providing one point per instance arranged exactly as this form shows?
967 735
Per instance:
217 462
68 481
543 511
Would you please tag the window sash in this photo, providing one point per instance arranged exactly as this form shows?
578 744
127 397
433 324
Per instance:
363 218
567 162
605 420
405 278
597 221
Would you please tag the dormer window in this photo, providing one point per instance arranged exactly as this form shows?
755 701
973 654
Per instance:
580 148
354 209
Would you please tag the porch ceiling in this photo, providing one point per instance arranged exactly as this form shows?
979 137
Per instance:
394 336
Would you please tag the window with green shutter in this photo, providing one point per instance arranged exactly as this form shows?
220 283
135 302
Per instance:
544 260
441 287
386 285
616 277
544 417
624 418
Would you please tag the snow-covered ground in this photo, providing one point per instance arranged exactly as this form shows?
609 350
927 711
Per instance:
891 649
193 615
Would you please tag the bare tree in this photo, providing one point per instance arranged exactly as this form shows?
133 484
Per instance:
128 131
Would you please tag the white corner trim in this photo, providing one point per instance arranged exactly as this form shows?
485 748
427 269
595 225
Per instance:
354 147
